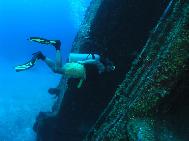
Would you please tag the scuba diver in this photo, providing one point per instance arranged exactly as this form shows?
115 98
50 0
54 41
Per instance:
79 65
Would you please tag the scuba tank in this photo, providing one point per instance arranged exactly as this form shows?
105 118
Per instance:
74 57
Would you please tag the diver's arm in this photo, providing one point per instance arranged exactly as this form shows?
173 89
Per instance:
58 63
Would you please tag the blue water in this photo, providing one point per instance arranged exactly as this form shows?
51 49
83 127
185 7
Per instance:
24 94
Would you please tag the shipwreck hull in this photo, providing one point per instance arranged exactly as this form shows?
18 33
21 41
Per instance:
151 57
152 102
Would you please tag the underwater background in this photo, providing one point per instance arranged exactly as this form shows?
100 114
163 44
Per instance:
23 95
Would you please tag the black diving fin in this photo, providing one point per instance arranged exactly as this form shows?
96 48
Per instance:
45 41
30 63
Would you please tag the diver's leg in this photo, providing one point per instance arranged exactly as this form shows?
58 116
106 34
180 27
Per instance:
58 63
56 67
50 63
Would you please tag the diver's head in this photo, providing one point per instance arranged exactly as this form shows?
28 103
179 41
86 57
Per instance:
109 65
111 68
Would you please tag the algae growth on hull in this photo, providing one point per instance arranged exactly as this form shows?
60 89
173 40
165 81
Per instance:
144 99
158 79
